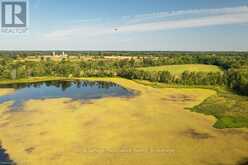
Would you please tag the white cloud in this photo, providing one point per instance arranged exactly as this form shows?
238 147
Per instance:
129 33
226 19
152 22
183 13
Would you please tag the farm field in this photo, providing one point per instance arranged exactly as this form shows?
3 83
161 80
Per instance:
179 69
153 127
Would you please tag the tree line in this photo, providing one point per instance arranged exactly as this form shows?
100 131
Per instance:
235 68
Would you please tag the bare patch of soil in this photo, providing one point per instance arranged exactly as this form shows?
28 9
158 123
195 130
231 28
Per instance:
4 124
243 162
29 150
197 135
43 133
91 122
179 98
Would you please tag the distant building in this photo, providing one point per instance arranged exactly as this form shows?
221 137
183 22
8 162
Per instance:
63 55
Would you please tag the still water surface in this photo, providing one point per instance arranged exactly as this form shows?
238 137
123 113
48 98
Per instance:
76 90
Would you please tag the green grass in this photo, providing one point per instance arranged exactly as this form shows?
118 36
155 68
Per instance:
84 128
230 110
179 69
163 85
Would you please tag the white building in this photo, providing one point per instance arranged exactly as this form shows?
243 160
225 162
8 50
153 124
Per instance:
63 54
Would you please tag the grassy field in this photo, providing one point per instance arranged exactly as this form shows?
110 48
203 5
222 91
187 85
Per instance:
230 109
179 69
150 128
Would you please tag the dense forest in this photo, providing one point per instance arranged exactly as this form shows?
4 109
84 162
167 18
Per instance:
234 65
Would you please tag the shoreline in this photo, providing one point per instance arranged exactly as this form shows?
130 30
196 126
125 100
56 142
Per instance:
5 157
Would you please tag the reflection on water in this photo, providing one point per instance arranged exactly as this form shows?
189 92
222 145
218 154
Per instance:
4 158
83 90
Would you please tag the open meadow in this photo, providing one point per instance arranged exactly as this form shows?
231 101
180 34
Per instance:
179 69
133 82
152 127
130 109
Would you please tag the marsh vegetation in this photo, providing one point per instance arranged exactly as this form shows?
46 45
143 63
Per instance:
156 126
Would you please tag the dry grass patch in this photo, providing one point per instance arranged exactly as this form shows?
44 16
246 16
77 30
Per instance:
6 91
142 130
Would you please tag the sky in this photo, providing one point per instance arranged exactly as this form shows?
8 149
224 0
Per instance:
152 25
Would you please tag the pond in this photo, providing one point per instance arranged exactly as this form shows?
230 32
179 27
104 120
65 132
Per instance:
4 158
76 90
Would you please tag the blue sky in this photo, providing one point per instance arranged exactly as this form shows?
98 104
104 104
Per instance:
134 25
